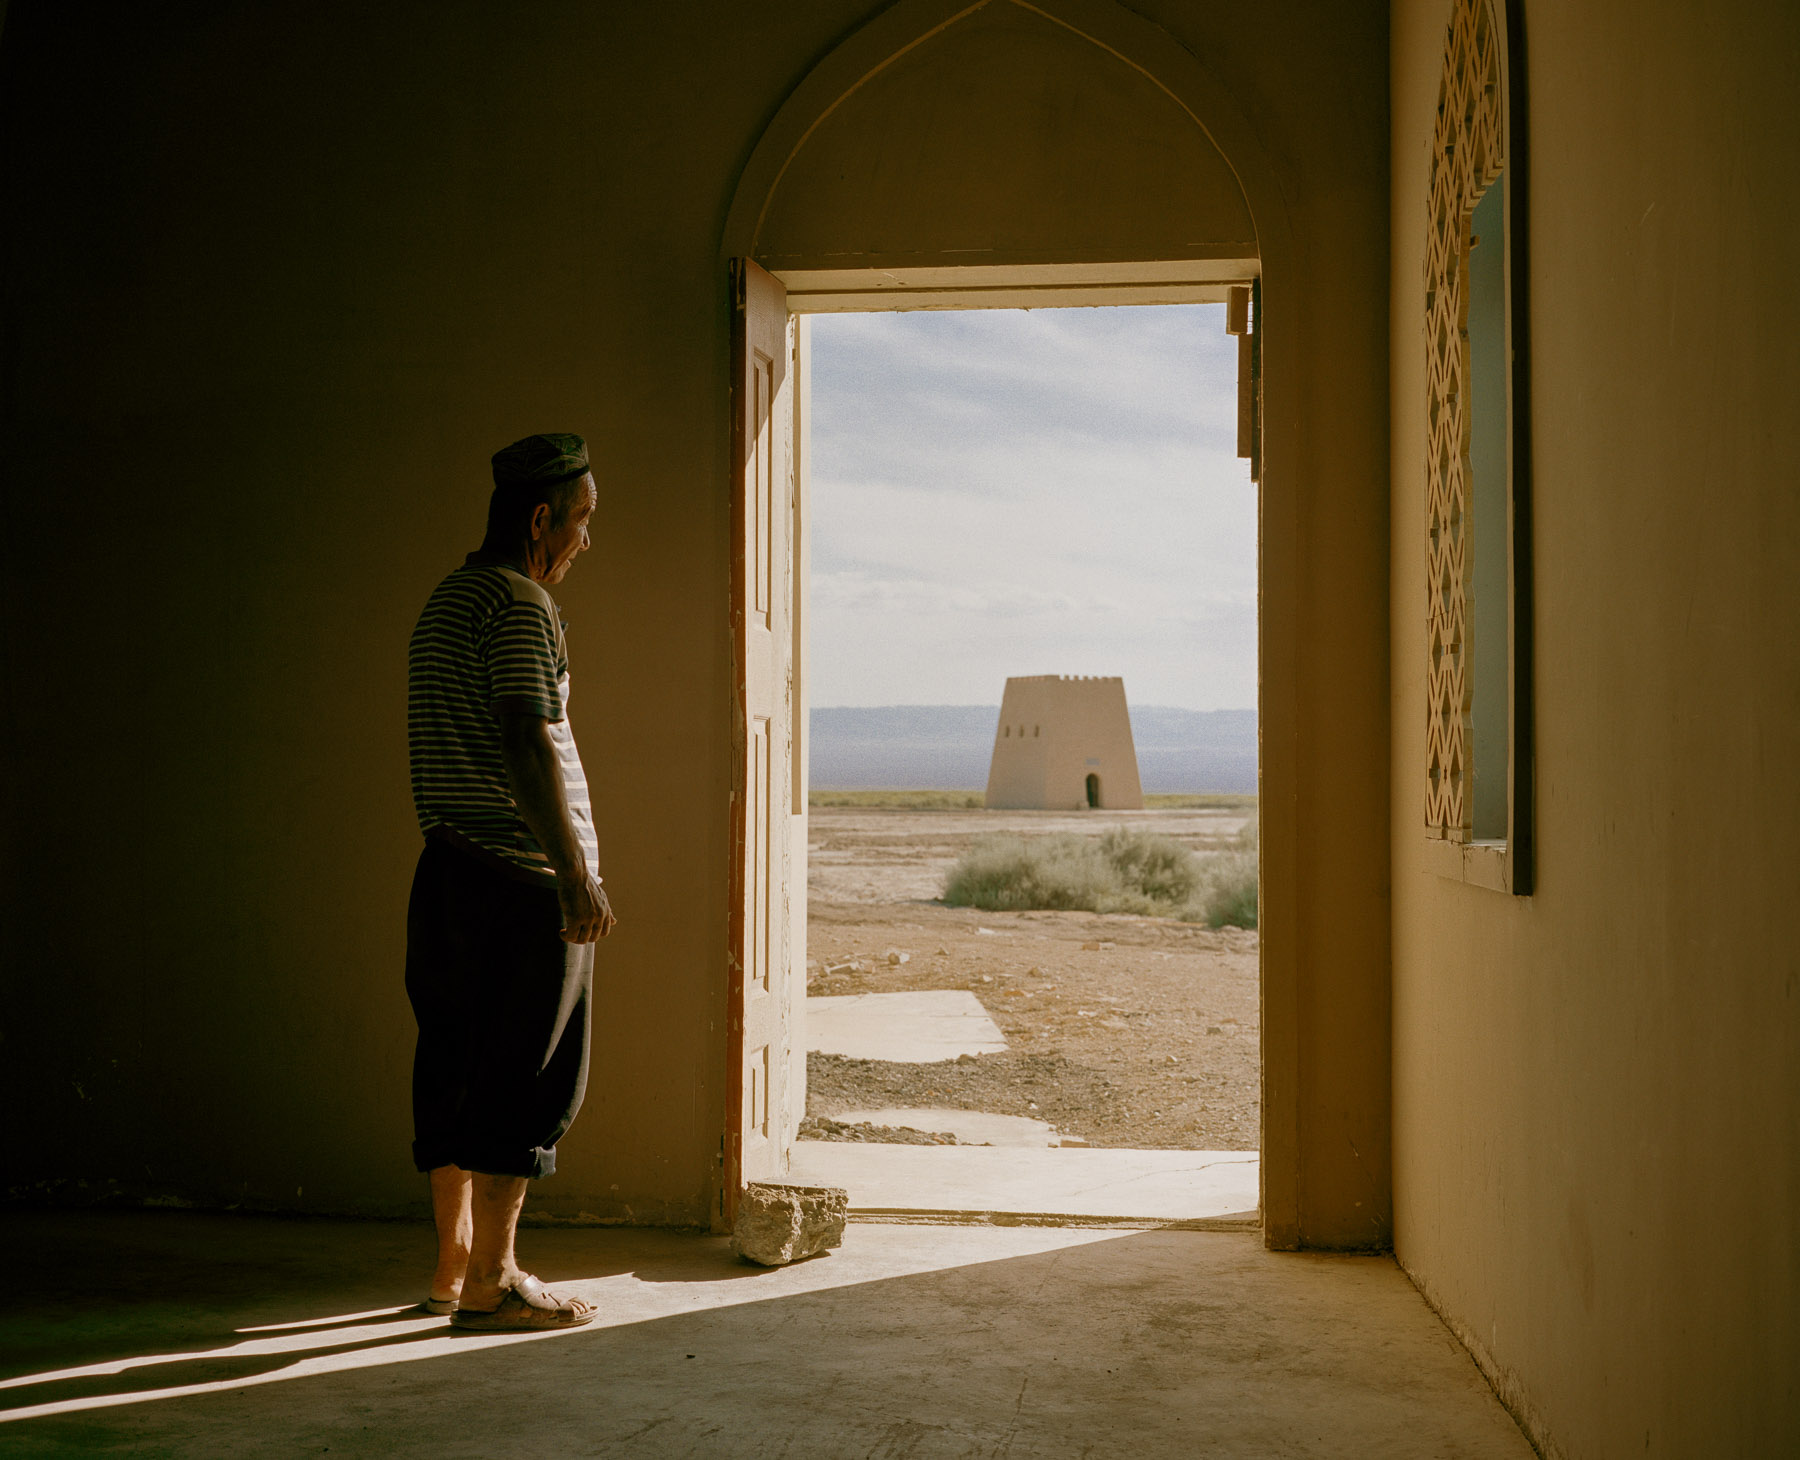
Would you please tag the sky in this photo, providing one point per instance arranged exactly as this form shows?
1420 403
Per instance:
1050 491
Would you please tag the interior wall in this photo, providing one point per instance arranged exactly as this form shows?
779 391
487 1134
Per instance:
1597 1088
279 278
1024 140
277 281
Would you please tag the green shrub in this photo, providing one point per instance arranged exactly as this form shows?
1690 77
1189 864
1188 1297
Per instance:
1233 905
1124 871
1157 866
1228 894
1012 873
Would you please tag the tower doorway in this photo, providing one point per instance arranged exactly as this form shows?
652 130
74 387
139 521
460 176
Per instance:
1093 791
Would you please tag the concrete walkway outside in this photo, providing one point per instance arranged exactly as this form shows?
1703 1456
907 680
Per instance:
1168 1186
917 1027
176 1334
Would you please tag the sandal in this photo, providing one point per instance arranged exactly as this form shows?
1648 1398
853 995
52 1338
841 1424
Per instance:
526 1305
439 1306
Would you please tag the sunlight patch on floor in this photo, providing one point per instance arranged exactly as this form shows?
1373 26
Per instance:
385 1336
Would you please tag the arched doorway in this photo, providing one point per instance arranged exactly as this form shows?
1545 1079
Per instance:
1093 791
953 155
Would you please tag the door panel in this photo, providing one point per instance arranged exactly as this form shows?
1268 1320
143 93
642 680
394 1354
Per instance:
799 560
760 1017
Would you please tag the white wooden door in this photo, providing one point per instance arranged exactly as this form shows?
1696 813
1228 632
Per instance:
760 1116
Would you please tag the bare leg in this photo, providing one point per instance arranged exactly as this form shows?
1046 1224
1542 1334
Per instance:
450 1211
492 1269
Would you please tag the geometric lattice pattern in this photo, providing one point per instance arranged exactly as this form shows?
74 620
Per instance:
1467 155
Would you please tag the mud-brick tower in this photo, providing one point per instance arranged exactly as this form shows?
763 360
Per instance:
1064 744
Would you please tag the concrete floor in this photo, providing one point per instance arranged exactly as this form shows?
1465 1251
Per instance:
183 1335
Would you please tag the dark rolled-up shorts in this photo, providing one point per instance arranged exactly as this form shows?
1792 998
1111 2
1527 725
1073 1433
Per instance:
502 1005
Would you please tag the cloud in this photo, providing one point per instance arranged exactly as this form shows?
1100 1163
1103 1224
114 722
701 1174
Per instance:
855 592
1066 377
1010 492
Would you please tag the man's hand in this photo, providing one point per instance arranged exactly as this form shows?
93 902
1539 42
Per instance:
587 915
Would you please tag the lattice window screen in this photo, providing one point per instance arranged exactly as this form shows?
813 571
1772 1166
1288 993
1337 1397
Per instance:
1468 152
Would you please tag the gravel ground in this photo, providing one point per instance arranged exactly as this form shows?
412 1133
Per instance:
1122 1031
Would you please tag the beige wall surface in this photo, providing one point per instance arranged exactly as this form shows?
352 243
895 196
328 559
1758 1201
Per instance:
1597 1088
279 278
1016 771
1018 138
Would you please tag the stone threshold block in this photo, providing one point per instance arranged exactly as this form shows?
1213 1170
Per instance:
777 1225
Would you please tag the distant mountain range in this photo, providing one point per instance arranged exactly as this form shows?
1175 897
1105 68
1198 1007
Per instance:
947 748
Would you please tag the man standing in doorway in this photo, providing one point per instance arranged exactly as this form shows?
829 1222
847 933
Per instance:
506 903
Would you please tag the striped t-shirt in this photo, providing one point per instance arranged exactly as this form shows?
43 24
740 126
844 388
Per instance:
489 640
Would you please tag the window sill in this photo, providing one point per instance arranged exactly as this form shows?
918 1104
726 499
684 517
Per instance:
1480 864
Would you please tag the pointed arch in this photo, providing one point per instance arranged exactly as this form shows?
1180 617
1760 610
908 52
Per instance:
904 30
1312 1194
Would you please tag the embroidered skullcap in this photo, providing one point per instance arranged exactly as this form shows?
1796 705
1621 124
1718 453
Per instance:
540 461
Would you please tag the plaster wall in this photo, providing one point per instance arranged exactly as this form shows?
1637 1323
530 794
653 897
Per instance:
1597 1088
279 278
1016 770
1055 731
997 120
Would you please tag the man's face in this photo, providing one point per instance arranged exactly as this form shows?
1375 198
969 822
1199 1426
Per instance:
559 545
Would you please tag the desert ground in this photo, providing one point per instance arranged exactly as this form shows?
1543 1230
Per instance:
1121 1031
